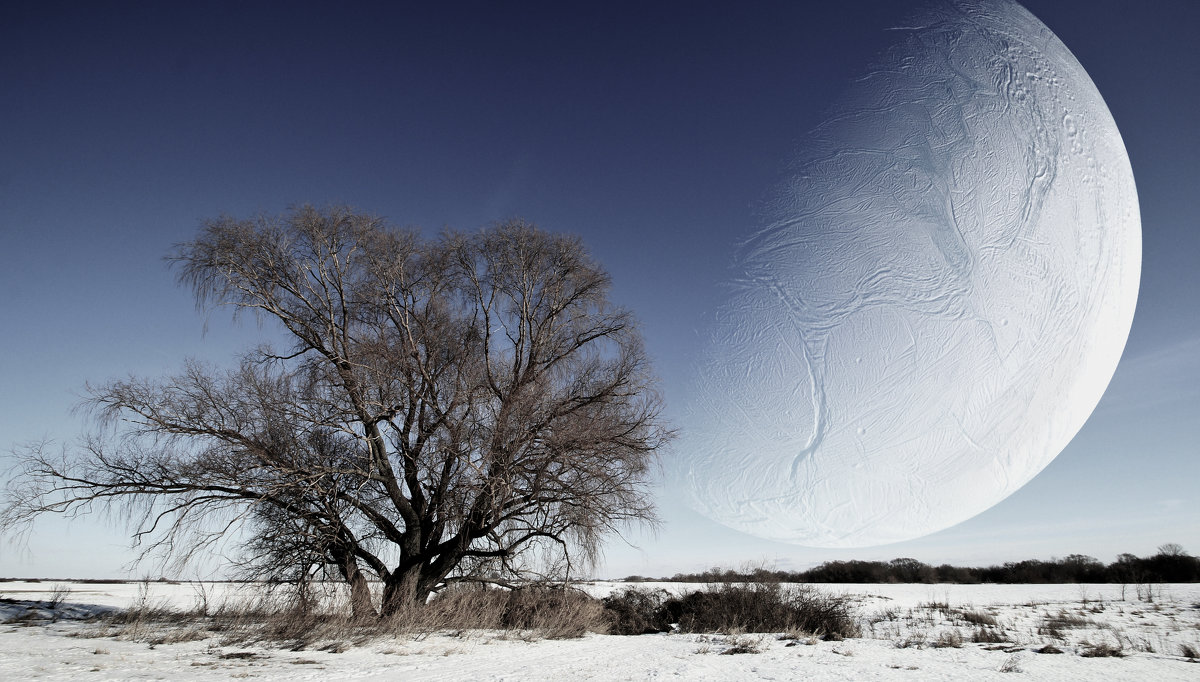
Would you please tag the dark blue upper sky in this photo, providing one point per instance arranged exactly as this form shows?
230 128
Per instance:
649 131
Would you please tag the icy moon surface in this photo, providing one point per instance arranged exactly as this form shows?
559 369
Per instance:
935 298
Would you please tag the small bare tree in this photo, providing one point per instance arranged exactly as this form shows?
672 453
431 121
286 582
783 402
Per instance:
451 408
1172 549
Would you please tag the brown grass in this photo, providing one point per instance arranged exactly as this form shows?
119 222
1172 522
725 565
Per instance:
531 612
988 636
1103 650
977 617
948 639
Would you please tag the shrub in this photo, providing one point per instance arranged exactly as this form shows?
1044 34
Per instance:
57 596
637 612
535 610
553 612
762 607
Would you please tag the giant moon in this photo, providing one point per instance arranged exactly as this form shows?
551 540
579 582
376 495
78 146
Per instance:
934 299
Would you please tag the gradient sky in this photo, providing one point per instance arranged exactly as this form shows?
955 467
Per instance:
648 131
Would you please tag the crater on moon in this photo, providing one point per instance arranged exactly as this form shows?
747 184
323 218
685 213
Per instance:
935 298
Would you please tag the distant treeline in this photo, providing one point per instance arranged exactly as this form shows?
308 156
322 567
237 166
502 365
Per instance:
1170 565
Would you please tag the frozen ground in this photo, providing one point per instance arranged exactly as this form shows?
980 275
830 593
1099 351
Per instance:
909 633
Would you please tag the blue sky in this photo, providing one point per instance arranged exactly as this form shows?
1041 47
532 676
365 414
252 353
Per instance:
649 131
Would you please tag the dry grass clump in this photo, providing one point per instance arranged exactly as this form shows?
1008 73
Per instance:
1103 650
261 619
743 645
292 628
977 618
914 640
1053 626
989 636
884 615
1011 665
1067 620
935 605
948 639
153 622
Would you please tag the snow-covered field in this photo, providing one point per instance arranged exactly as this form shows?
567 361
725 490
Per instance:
910 632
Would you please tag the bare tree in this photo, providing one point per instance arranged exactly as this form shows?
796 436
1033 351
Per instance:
1172 549
466 405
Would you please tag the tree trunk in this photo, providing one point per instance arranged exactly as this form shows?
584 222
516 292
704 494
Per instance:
405 589
360 591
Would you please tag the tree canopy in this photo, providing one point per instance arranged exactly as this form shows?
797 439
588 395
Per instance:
449 408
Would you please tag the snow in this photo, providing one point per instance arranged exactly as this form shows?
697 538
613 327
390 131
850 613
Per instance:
57 644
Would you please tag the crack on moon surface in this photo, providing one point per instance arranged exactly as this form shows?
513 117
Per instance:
934 301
